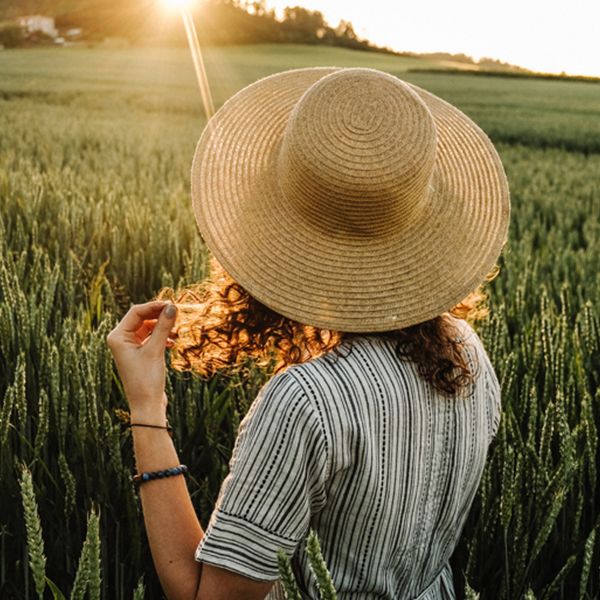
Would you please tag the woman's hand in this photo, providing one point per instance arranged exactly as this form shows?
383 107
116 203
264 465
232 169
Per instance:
138 345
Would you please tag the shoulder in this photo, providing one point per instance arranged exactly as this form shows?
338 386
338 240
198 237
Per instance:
472 339
280 393
465 331
322 378
473 344
283 399
485 373
285 409
466 335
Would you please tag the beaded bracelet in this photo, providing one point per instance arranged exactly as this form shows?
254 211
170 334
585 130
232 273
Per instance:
148 476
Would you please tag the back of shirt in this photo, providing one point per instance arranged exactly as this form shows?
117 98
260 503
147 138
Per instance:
363 450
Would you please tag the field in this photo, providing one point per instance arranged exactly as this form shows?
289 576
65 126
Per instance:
95 153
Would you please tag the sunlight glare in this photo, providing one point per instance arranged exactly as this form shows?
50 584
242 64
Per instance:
538 34
177 4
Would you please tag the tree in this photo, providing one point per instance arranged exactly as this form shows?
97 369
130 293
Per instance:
12 36
345 30
302 24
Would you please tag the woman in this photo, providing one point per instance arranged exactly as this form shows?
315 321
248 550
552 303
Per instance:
353 217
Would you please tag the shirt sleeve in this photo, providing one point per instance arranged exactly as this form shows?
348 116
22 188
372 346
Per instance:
276 481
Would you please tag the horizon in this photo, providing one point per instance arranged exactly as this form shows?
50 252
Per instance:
528 40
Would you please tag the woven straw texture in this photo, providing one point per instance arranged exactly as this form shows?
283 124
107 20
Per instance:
348 199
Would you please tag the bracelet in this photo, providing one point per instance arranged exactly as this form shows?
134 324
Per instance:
167 426
140 478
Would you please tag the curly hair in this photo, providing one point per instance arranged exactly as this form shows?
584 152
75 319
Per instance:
220 326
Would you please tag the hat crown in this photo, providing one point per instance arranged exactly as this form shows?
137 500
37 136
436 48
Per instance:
358 153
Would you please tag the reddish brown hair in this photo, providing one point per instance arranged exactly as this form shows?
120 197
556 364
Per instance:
220 325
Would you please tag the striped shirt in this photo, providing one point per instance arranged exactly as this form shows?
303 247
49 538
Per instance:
372 457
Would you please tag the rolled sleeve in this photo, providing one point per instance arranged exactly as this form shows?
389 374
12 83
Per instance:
276 481
233 543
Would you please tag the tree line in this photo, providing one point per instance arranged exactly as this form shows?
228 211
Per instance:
218 22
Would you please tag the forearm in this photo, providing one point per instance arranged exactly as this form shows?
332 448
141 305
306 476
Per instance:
172 526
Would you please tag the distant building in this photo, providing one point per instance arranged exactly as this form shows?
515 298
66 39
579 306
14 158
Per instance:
33 23
73 33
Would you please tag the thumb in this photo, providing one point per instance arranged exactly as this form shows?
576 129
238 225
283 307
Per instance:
162 329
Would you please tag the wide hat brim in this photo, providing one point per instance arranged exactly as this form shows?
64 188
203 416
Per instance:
329 279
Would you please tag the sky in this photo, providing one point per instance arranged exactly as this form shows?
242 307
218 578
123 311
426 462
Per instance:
546 36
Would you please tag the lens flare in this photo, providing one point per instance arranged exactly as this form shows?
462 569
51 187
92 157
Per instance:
184 6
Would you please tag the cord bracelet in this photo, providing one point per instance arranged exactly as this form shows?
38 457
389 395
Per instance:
140 478
167 426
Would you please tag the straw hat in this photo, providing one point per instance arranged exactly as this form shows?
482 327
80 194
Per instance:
348 199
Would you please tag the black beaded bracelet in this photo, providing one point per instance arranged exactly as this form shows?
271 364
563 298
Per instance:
150 475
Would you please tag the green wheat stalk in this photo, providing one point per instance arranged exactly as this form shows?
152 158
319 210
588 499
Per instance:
70 485
319 568
94 555
88 576
470 593
587 562
551 590
33 526
42 423
6 414
140 590
286 575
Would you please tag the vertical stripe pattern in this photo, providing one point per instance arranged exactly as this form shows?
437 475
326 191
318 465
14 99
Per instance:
360 448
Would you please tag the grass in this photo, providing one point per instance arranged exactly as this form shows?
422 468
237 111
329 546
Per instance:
95 153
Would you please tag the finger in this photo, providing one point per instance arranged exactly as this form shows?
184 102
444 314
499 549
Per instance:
139 313
162 329
145 329
171 338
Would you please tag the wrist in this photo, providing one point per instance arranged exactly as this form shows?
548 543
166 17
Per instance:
152 411
152 416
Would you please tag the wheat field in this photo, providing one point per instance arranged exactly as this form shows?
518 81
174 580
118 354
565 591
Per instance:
95 154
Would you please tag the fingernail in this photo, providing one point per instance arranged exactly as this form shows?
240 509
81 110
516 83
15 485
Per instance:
171 311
